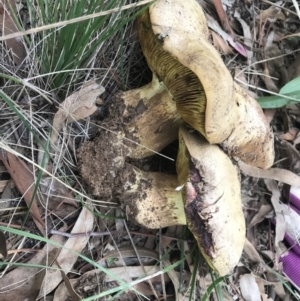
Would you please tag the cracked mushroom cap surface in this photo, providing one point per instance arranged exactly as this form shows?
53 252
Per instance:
174 38
212 200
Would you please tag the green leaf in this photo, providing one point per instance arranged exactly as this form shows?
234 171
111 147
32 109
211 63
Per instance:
288 94
291 87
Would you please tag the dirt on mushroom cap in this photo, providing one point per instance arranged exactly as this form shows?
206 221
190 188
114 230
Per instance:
212 200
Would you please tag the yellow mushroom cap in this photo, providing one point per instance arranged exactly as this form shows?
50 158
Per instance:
174 39
187 41
212 200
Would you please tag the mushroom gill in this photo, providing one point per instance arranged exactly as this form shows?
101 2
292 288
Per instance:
174 39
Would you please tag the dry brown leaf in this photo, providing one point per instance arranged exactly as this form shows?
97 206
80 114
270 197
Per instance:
175 280
69 286
7 23
220 44
25 282
144 289
61 293
271 14
58 191
3 184
249 288
261 286
290 135
270 113
267 78
260 215
240 75
61 200
294 68
275 67
279 289
223 17
278 174
280 211
79 105
67 257
6 196
24 180
247 35
167 239
251 252
130 252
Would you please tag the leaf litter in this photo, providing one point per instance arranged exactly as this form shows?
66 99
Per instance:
264 36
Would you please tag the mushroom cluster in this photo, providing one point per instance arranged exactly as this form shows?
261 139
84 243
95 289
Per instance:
193 94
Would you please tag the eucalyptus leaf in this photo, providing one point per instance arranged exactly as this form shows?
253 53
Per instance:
291 87
288 94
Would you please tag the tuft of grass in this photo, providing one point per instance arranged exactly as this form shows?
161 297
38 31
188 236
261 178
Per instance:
62 51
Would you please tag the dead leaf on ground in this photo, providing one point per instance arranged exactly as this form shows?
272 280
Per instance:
249 288
94 280
25 282
278 174
212 24
62 202
223 17
290 135
67 256
8 25
248 40
62 293
220 44
293 70
79 105
251 252
270 113
3 184
24 181
264 210
6 196
69 286
267 78
275 70
130 252
262 290
271 14
280 211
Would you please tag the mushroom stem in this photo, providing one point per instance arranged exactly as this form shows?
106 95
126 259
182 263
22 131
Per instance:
146 116
212 200
150 198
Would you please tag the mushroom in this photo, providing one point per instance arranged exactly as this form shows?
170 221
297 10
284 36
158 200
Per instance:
146 117
140 122
212 200
150 199
206 203
174 38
